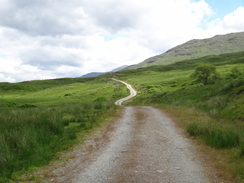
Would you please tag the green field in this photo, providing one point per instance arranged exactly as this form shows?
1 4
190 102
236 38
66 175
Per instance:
41 118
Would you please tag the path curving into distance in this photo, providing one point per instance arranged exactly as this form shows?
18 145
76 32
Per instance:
133 92
142 145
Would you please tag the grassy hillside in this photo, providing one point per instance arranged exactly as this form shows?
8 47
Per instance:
197 48
40 118
212 113
172 84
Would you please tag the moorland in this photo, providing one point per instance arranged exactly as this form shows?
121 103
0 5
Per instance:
41 118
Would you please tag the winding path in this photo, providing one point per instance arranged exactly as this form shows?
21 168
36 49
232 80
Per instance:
142 146
133 92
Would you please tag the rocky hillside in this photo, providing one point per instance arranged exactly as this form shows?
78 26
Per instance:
217 45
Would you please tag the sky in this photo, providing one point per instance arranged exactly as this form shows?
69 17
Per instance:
43 39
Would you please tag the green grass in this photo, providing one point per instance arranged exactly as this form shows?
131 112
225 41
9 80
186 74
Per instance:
216 136
30 137
40 118
61 92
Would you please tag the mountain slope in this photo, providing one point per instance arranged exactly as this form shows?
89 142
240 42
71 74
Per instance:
92 74
95 74
217 45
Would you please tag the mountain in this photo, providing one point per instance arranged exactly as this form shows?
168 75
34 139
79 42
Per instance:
94 74
197 48
119 68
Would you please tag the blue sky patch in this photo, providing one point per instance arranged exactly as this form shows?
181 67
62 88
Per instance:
224 7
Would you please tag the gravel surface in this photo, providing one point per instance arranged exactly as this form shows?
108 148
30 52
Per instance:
145 147
108 158
133 92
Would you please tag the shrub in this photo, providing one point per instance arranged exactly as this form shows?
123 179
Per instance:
205 74
235 73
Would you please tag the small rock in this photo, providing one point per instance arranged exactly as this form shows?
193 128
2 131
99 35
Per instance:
177 168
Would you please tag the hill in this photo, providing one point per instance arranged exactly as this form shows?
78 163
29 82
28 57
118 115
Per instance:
95 74
193 49
92 74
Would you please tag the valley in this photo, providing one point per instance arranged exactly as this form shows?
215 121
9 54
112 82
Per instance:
41 120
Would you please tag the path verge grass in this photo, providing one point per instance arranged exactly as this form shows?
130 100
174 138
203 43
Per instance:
222 138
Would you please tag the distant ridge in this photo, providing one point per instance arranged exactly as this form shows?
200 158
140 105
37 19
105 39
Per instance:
94 74
197 48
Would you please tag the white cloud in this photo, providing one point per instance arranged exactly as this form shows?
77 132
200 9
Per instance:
234 20
4 78
59 38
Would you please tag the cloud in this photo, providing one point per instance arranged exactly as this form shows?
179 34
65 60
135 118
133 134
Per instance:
114 16
60 38
50 56
43 17
234 20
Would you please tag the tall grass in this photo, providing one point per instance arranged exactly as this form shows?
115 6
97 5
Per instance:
32 136
217 136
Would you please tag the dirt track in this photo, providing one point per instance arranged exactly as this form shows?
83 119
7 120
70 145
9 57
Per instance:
133 92
144 147
141 146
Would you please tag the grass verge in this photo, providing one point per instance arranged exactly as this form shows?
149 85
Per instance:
224 140
31 137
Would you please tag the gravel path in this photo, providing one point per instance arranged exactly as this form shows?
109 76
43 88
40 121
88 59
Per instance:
141 146
133 92
144 147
